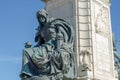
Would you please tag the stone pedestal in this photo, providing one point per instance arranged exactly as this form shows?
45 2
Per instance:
93 44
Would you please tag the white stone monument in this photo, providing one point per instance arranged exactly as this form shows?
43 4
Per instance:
93 44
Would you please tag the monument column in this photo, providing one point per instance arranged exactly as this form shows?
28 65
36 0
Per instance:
93 44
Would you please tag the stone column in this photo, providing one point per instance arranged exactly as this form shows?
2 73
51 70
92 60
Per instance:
93 44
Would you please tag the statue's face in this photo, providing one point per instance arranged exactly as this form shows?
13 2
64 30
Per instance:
42 19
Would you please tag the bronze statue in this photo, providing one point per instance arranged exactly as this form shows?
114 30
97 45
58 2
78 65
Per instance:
53 56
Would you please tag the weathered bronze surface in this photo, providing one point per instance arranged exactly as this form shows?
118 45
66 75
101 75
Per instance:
53 56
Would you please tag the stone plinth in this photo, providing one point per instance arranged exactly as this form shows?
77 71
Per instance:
93 44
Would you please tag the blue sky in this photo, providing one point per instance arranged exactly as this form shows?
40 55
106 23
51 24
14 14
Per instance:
17 25
115 20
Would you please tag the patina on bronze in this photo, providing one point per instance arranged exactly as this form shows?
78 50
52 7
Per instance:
53 56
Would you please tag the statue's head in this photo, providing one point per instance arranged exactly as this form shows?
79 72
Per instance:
28 44
42 16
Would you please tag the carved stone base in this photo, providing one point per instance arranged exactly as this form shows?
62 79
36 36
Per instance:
48 78
39 78
87 78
